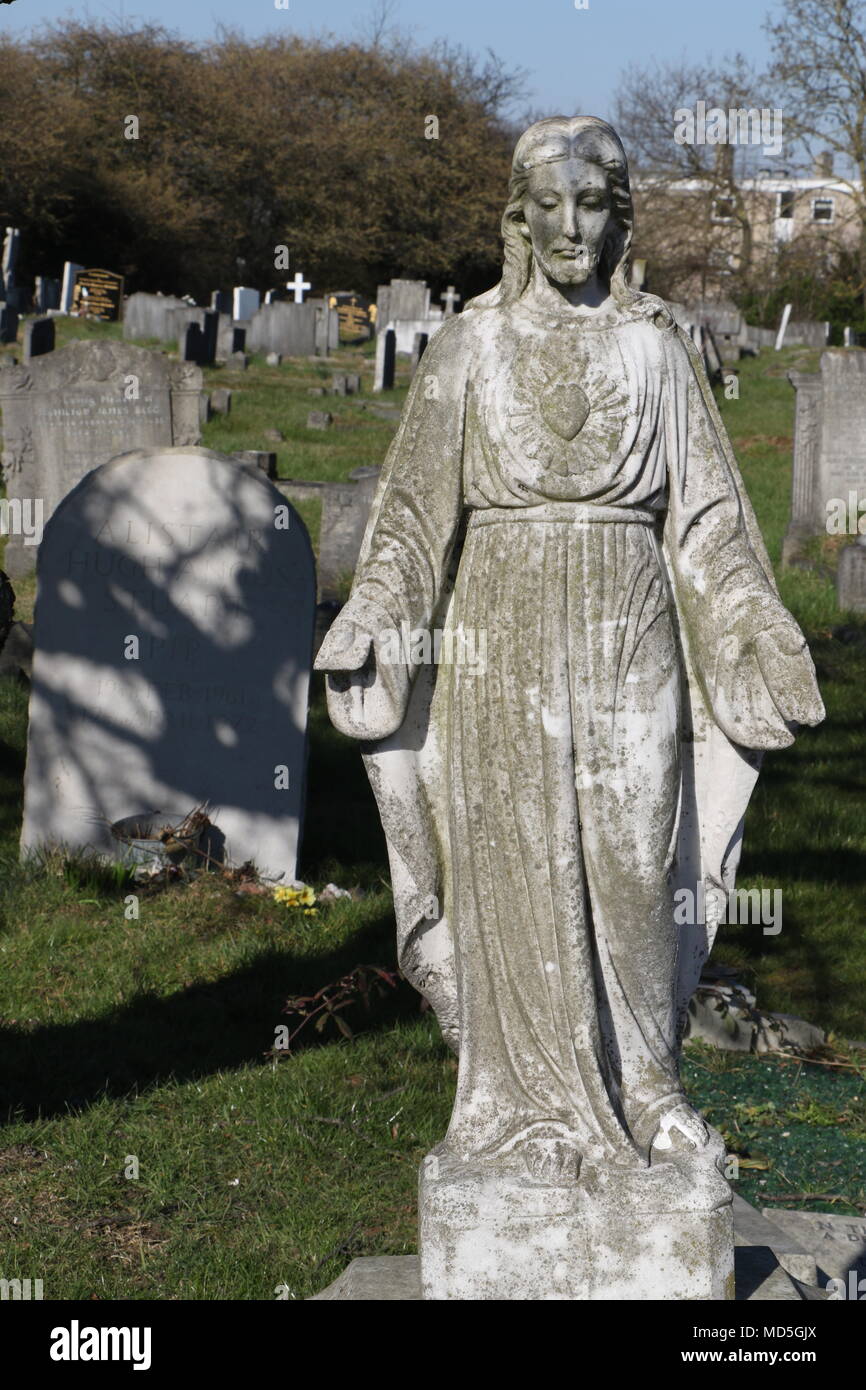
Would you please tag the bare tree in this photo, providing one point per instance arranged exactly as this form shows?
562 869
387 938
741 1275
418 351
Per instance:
819 70
694 225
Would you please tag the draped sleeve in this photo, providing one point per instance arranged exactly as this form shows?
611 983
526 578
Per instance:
407 547
747 652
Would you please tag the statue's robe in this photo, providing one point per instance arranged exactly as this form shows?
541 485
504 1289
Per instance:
562 501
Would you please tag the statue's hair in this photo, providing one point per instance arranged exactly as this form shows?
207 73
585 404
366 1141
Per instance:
564 137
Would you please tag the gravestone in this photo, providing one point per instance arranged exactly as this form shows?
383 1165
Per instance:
838 1243
68 412
200 339
149 316
245 303
98 294
38 338
231 337
327 335
67 289
402 299
829 444
8 323
212 572
221 300
319 420
257 458
284 327
450 299
46 294
273 359
386 356
353 314
345 511
221 400
851 579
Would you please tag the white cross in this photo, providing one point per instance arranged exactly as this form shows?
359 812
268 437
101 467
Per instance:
451 298
299 284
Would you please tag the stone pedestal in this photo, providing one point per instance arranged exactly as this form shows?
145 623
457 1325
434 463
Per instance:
662 1233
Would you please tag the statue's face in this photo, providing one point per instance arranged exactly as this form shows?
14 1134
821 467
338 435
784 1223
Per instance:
567 214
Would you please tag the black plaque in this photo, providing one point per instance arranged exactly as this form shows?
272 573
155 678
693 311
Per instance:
98 294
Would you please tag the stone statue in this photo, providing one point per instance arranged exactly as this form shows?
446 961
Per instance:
561 499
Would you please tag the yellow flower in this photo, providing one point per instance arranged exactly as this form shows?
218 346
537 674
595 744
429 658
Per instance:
295 895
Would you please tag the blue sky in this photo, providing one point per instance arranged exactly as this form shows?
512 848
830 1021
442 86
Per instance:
573 57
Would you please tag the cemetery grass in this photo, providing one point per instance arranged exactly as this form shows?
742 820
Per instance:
151 1039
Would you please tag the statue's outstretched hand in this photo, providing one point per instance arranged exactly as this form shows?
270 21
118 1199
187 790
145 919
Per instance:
367 691
764 685
787 669
346 647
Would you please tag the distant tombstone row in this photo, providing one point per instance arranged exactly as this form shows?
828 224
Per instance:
173 643
69 411
829 471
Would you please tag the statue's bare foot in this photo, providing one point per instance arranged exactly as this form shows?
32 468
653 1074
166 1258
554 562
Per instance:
552 1161
681 1130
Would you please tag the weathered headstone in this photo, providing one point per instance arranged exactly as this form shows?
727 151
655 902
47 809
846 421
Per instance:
155 316
284 327
73 409
245 303
98 294
386 357
173 639
221 300
851 579
402 299
829 445
345 511
273 359
231 337
38 338
238 361
319 420
838 1243
221 400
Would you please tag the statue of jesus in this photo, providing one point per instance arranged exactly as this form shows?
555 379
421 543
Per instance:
562 486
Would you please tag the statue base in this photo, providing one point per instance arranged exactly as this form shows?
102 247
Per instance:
663 1233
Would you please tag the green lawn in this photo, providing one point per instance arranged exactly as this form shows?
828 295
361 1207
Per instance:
150 1039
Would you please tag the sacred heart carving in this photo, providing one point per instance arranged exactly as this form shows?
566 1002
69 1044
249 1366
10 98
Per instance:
564 408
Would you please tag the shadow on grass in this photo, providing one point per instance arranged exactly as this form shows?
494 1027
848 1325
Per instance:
203 1029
